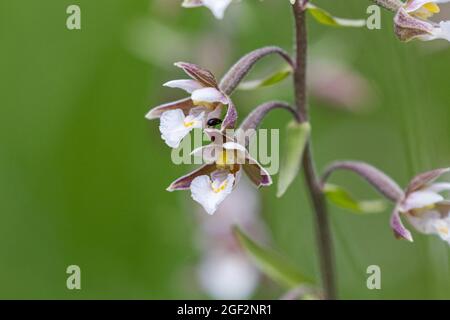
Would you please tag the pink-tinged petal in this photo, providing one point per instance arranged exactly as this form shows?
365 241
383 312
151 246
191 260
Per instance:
425 178
257 174
229 122
420 199
407 27
439 187
198 73
184 182
397 226
208 95
187 85
185 104
216 113
207 153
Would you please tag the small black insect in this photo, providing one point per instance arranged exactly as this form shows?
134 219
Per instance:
213 122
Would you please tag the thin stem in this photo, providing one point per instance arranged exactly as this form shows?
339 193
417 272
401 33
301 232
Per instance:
322 225
241 68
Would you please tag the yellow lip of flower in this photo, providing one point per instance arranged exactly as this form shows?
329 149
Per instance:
427 10
222 187
429 207
209 105
419 211
432 7
223 159
189 124
228 159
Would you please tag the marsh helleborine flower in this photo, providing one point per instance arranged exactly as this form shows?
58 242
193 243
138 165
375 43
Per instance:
214 181
178 118
424 207
217 7
412 21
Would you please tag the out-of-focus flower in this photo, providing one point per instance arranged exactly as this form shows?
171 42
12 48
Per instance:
217 7
180 117
424 207
302 292
339 86
225 272
412 21
214 181
228 275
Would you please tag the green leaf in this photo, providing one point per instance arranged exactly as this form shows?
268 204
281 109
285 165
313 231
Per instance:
268 81
326 18
342 198
297 137
271 263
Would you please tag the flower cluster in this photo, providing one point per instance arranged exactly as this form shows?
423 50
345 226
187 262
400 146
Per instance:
178 118
423 203
412 19
225 158
424 207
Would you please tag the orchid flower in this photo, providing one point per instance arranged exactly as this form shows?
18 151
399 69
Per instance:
424 207
213 182
217 7
178 118
412 21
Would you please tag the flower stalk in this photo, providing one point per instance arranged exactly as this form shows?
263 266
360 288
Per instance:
322 225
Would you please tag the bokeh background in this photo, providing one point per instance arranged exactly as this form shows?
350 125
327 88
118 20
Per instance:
83 173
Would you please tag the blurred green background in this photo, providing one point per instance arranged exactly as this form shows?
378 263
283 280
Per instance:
83 173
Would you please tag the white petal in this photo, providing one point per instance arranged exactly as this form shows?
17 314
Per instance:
414 5
208 95
207 153
175 126
439 187
442 229
420 199
228 275
211 193
217 7
431 222
441 32
424 222
234 146
187 85
192 3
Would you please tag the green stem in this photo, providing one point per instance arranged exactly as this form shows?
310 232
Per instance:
322 225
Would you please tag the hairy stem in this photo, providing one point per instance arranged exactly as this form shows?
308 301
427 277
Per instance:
241 68
322 224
